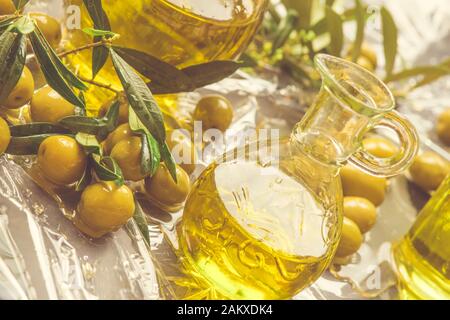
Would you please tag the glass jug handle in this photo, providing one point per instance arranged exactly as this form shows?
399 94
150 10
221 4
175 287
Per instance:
389 167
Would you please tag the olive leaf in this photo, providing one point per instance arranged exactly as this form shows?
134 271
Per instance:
210 72
99 33
140 98
335 28
150 154
360 15
29 145
424 71
56 76
304 10
141 221
101 22
111 118
156 70
13 56
19 4
85 180
5 23
285 28
37 128
89 143
390 34
83 124
107 169
168 159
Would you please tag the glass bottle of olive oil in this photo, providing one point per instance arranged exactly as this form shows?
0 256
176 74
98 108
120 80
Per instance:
180 32
423 256
265 227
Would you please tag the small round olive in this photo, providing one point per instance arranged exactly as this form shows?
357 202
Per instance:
356 183
361 211
22 92
183 150
104 207
50 28
429 170
380 147
48 106
62 160
164 191
127 154
5 136
363 62
368 53
7 7
215 112
351 239
123 111
122 132
443 127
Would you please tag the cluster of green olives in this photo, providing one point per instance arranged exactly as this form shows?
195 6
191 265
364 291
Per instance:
363 193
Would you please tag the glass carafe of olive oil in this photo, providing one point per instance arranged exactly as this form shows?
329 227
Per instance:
180 32
423 256
259 227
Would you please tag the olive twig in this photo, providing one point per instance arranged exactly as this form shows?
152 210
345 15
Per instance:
86 47
100 84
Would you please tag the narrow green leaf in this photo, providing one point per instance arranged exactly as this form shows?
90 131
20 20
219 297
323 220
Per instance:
360 14
168 159
304 10
51 72
67 74
24 25
89 143
107 169
140 98
285 28
24 146
211 72
390 35
112 116
85 180
335 28
5 23
141 221
99 33
150 156
156 70
101 22
418 71
19 4
36 128
13 56
83 124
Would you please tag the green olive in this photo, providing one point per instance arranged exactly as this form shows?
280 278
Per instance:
62 160
48 106
122 132
363 62
104 207
361 211
443 127
22 92
380 147
7 7
183 150
429 170
50 28
351 239
123 111
5 136
215 112
127 154
356 183
164 191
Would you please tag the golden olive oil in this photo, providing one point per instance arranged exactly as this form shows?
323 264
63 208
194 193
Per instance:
180 32
423 257
254 232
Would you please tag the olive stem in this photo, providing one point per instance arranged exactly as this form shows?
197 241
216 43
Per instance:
99 84
86 47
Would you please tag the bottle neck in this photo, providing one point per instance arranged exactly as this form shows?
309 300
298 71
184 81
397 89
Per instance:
331 131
